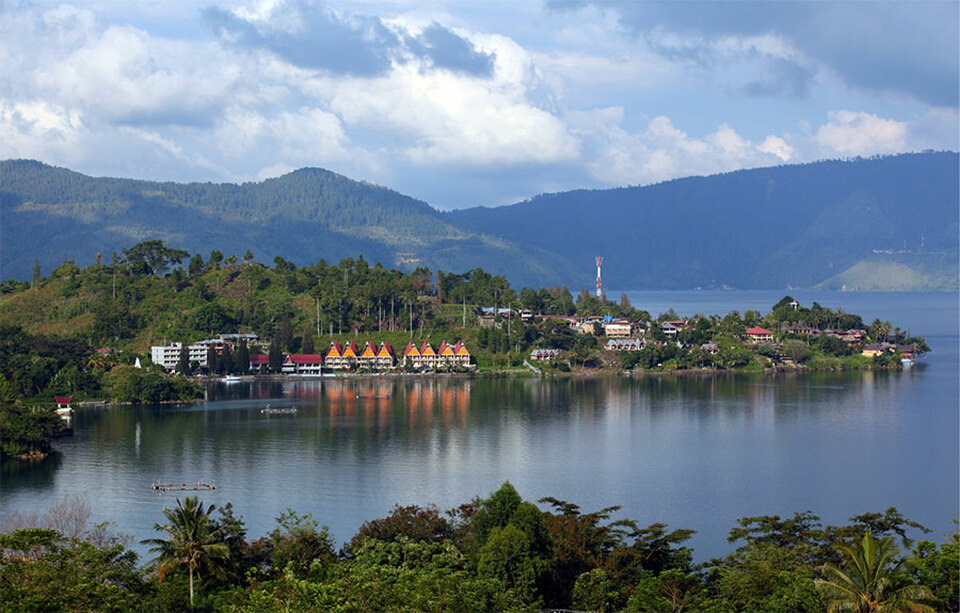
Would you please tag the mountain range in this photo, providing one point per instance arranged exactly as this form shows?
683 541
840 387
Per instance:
880 223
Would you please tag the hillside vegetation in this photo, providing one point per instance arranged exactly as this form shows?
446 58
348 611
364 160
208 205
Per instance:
790 226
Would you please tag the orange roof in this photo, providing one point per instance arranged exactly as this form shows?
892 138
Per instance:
335 351
411 350
757 331
369 351
350 351
461 349
385 350
427 349
446 349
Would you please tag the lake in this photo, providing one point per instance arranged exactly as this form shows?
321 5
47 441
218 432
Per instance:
691 451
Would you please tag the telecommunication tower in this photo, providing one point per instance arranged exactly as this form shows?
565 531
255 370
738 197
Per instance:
599 263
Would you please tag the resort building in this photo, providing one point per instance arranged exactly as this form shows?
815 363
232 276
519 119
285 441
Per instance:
376 358
759 335
302 364
544 355
425 358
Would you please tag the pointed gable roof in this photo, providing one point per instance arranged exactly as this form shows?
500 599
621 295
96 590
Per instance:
461 349
369 351
446 349
427 349
411 350
385 350
350 351
335 351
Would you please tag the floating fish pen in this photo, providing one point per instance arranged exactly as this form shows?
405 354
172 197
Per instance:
278 411
182 487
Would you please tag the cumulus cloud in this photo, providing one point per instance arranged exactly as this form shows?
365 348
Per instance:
859 133
662 151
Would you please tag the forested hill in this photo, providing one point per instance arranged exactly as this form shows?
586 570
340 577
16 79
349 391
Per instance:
883 223
53 214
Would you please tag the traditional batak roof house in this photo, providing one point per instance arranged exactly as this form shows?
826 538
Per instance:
758 335
447 355
625 344
463 354
341 357
368 357
427 355
412 357
385 357
544 355
376 358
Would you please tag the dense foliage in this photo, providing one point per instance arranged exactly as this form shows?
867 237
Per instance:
499 553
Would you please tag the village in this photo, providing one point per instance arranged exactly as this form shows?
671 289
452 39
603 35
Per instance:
609 337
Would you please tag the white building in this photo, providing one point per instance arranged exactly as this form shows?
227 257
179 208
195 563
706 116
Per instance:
169 355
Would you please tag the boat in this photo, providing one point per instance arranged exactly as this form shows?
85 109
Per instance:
232 379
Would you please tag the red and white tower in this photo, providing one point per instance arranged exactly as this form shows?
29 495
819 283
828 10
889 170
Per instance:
599 263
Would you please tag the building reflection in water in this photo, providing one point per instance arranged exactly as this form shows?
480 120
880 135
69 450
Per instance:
375 403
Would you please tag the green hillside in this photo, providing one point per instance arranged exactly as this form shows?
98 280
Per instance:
796 226
54 214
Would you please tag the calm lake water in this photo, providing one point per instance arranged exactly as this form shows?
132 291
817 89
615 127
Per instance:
694 452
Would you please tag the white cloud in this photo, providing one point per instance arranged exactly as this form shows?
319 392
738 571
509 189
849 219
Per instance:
778 147
662 152
859 133
442 117
125 75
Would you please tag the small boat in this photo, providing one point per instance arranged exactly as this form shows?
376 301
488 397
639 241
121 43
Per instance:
232 379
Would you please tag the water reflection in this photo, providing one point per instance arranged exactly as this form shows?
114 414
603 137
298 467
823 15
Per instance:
696 451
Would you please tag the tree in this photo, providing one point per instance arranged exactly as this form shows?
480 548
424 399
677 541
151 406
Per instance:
243 358
183 363
867 580
193 541
153 257
195 267
274 356
306 346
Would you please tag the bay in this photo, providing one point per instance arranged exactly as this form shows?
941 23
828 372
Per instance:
691 451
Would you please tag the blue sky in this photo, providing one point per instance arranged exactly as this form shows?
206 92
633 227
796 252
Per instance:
472 103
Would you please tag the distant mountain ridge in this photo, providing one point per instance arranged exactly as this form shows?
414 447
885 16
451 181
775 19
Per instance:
828 224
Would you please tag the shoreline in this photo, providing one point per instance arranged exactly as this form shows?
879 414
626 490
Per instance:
512 373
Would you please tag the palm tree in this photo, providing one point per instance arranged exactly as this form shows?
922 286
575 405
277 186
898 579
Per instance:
866 580
194 541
